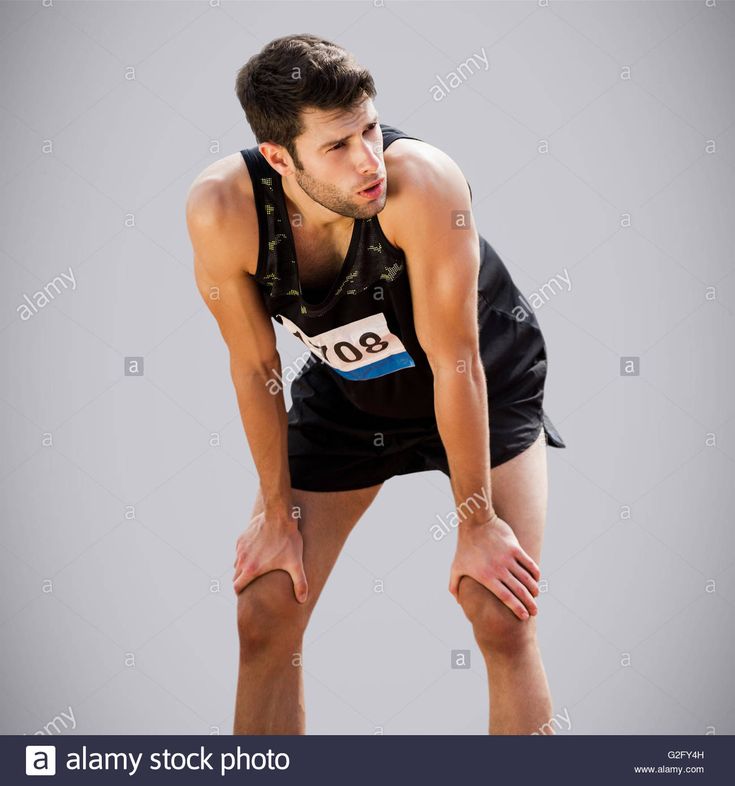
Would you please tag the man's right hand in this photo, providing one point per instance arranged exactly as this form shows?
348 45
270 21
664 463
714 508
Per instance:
270 544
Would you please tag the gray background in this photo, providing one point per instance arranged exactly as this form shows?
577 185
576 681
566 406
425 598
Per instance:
632 641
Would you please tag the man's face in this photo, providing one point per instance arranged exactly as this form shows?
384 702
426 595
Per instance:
340 154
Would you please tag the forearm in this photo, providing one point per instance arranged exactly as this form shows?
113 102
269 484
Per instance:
263 413
461 410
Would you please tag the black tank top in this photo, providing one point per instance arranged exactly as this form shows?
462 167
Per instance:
362 330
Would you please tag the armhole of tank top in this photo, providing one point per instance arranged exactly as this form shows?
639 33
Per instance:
392 133
252 167
383 239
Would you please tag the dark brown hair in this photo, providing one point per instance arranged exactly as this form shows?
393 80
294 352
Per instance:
292 73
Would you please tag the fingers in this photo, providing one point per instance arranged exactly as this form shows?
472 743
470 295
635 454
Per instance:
521 592
242 579
512 592
526 562
524 577
454 584
506 596
249 572
300 585
246 570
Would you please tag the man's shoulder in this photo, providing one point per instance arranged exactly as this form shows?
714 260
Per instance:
416 171
220 200
414 165
405 155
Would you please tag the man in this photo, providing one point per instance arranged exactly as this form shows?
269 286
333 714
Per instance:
421 357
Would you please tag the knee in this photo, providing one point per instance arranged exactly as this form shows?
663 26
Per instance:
497 629
268 614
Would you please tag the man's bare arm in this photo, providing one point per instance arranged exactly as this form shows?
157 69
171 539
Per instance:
221 245
442 254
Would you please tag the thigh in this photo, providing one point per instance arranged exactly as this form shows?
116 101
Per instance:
325 520
519 489
519 494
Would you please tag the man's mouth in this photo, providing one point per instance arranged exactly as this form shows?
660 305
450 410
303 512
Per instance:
373 191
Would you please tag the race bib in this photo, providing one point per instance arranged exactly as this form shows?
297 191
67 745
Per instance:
363 349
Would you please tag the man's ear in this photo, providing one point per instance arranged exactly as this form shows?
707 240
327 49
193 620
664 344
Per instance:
277 156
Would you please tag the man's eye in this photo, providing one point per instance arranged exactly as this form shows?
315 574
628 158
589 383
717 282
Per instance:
342 144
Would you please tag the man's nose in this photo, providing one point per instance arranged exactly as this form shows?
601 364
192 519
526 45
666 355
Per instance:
370 161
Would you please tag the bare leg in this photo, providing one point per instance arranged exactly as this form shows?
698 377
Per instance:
271 622
520 700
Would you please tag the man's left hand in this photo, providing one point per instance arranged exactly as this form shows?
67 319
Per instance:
488 551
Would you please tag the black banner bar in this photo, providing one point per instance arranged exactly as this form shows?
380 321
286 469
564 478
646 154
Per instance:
370 760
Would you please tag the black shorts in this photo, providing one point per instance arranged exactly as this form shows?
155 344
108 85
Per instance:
334 446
